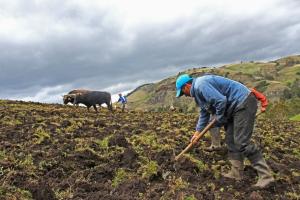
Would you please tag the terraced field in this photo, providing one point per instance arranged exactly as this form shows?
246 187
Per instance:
51 151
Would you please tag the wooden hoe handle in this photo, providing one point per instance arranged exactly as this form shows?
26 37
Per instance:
196 139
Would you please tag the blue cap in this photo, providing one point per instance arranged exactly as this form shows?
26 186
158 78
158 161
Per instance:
180 82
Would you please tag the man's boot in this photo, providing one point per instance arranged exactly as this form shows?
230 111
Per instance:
264 173
236 171
215 139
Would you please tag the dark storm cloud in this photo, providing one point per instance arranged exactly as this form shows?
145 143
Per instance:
221 40
94 51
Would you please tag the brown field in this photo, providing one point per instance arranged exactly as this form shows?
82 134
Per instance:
50 151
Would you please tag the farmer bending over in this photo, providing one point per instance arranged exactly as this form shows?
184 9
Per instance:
215 131
234 106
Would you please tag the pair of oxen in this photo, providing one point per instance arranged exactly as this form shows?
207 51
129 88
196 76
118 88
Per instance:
88 98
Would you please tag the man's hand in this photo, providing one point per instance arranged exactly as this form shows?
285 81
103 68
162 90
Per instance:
263 109
193 139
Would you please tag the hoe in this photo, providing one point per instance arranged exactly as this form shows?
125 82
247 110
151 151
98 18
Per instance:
199 136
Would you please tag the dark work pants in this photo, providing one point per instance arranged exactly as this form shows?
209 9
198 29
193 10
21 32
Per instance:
239 131
123 107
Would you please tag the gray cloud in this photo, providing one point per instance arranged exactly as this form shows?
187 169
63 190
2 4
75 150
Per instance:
72 47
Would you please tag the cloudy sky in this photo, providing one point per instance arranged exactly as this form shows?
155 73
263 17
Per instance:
49 47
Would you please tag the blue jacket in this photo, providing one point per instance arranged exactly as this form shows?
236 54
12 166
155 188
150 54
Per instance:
122 100
217 95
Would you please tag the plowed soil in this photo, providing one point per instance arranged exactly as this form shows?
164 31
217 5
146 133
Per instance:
51 151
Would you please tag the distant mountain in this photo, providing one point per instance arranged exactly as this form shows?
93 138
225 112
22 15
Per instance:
279 80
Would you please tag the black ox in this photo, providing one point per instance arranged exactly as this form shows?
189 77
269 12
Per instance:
70 98
89 98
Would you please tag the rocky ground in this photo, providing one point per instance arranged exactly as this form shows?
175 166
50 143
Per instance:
64 152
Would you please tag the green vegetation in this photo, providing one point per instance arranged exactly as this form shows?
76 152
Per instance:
295 118
75 125
119 177
41 135
296 153
288 109
247 68
293 195
64 194
192 197
27 162
200 164
149 139
10 121
289 74
180 184
15 193
104 142
2 155
149 169
279 80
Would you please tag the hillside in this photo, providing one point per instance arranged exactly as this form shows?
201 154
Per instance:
52 151
279 80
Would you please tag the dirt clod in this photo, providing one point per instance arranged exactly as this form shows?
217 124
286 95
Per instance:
255 196
118 140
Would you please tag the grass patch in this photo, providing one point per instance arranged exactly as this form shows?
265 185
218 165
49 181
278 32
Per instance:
27 163
104 142
199 163
74 126
180 184
149 139
64 194
295 118
192 197
2 155
149 169
41 135
246 68
12 192
290 73
119 177
296 153
10 121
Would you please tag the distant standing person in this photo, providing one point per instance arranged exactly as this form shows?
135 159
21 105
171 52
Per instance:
234 106
123 101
